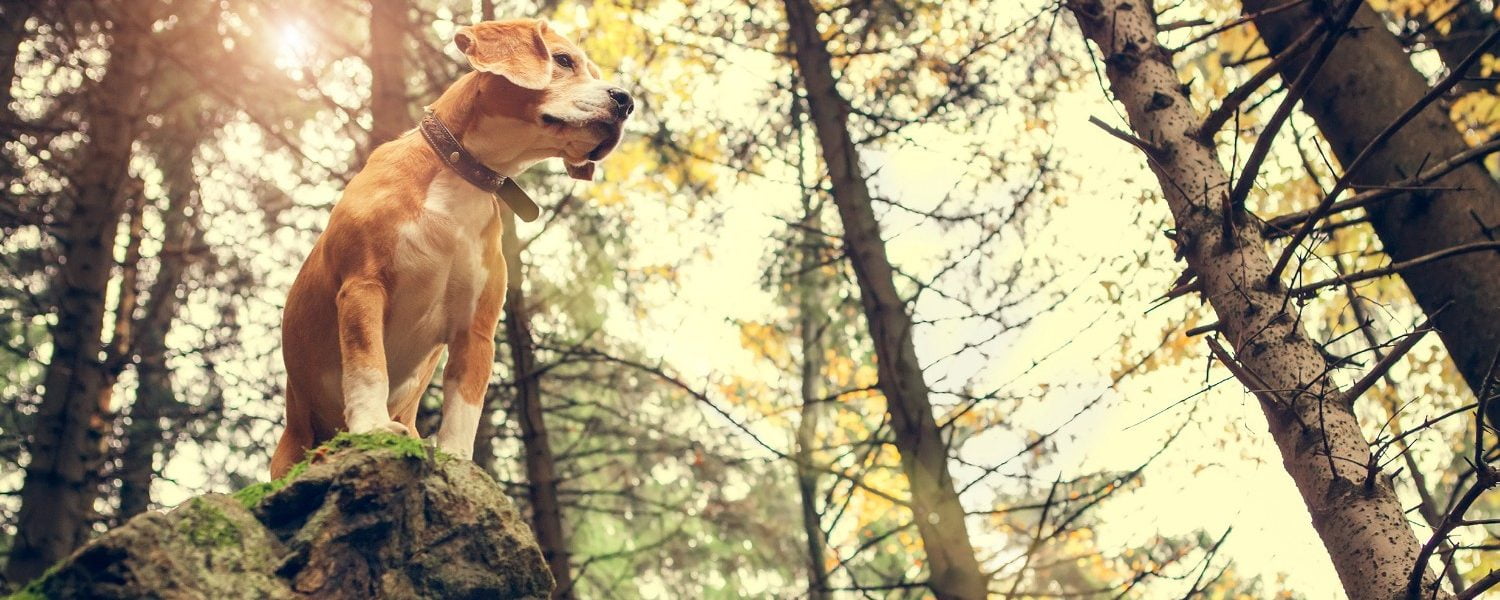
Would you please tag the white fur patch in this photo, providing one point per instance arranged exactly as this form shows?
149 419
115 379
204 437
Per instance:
460 423
365 410
440 273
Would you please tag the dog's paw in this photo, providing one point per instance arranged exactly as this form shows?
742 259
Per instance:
373 426
464 451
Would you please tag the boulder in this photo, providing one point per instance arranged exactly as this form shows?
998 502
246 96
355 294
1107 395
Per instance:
366 516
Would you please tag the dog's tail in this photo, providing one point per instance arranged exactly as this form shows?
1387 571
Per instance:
296 440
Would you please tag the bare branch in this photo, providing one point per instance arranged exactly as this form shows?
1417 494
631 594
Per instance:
1279 226
1391 269
1343 183
1262 148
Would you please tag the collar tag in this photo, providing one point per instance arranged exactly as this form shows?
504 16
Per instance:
518 201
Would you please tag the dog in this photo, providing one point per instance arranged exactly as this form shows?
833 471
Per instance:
410 263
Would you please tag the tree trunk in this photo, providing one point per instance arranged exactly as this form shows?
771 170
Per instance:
953 570
1364 85
1354 511
541 467
154 397
66 447
390 111
812 321
13 16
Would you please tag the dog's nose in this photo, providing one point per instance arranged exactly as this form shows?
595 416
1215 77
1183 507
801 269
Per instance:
623 104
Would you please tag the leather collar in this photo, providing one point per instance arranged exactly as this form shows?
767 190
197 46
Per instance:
457 158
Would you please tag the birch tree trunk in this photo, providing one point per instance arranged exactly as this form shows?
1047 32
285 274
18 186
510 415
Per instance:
954 571
66 447
1354 509
1365 84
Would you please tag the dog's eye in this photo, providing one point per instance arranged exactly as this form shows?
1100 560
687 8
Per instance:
563 61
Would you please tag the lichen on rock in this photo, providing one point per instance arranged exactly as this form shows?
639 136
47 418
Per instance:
366 516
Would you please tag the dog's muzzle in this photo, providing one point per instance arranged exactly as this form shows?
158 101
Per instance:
621 109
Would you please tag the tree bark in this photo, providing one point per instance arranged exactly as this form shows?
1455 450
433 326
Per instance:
57 498
541 466
1354 509
954 571
390 111
13 17
811 323
145 436
1364 85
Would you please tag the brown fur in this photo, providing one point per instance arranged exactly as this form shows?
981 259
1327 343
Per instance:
339 309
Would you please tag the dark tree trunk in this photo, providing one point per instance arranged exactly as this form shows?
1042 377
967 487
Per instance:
953 570
541 466
390 110
1364 85
66 448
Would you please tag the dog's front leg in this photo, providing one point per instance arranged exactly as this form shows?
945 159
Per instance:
361 313
465 378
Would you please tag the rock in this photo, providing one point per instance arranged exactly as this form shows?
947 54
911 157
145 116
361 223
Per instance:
210 547
367 516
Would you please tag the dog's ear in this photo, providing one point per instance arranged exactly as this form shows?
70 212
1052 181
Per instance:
581 172
515 50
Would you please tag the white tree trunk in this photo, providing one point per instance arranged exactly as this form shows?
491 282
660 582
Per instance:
1357 515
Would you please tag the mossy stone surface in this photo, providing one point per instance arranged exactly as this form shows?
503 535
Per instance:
365 516
209 547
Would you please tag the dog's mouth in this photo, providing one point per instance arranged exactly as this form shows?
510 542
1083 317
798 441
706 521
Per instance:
608 129
613 129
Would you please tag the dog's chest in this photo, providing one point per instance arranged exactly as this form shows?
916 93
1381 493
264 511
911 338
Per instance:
443 263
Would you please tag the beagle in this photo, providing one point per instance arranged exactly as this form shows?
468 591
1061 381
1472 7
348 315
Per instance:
410 263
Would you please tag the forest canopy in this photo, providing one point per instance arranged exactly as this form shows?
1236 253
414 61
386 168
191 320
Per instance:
875 299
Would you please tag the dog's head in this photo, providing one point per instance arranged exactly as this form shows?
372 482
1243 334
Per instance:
548 89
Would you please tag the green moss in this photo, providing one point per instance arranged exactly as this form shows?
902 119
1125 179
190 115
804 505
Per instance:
207 526
403 446
251 496
30 592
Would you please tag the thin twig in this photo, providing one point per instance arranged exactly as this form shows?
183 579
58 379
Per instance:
1394 268
1231 24
1278 227
1386 362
